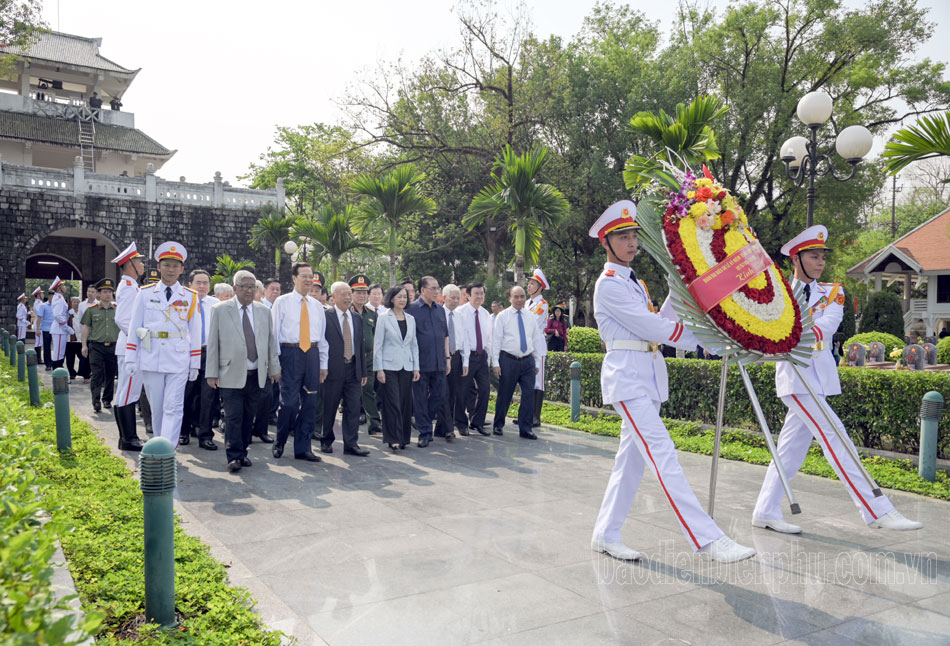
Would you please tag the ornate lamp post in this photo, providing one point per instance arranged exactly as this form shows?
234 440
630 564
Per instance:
296 252
801 154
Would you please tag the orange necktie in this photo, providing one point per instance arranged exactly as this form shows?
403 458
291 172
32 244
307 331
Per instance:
304 325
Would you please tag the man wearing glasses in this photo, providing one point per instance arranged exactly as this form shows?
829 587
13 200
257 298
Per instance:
432 334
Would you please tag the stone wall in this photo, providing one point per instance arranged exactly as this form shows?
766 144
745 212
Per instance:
27 217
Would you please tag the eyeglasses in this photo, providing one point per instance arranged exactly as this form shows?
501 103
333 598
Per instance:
248 286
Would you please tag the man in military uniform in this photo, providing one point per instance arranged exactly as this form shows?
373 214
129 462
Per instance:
129 384
151 277
538 307
165 340
805 419
633 379
22 317
99 336
360 286
60 330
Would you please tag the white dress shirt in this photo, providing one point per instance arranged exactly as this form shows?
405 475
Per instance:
456 318
206 304
286 317
251 365
505 336
343 318
466 313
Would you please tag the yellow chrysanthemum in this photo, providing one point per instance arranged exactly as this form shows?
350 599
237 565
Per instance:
703 181
691 195
697 209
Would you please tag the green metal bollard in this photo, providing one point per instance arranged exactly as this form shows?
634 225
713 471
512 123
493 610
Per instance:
13 355
6 342
64 436
931 408
159 472
20 359
575 391
34 379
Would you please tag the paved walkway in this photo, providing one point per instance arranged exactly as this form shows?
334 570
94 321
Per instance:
486 541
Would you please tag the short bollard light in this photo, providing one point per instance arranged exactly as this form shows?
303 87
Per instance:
33 378
20 359
159 472
6 342
931 409
64 436
13 355
575 391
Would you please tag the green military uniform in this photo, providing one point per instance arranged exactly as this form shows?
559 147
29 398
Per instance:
360 282
100 348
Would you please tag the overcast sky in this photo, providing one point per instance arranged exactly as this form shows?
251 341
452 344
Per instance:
217 77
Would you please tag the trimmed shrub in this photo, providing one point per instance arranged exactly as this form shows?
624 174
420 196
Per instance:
883 314
890 341
943 350
583 339
879 408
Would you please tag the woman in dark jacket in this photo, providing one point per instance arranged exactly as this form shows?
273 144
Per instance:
556 331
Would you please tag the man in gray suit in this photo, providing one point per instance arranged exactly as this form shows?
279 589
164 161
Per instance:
242 354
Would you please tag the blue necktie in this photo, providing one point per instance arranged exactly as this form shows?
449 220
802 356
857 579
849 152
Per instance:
524 340
202 310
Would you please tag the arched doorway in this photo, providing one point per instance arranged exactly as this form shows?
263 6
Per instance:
79 256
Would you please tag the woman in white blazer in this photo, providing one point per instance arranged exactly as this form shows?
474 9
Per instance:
396 362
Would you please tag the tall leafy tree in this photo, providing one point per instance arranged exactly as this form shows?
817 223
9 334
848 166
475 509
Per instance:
226 266
387 201
328 232
21 23
271 230
515 195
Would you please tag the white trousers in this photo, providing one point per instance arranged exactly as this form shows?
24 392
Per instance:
37 339
21 331
58 350
644 440
539 378
803 421
129 386
166 394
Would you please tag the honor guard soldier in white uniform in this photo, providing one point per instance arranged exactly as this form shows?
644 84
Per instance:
804 419
37 295
165 341
128 384
633 379
60 329
22 317
539 308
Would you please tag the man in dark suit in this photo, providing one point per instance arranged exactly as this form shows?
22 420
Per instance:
346 373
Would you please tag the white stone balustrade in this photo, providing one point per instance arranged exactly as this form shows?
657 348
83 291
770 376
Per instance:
149 187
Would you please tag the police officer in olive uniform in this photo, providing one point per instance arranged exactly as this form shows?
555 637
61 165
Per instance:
99 336
360 286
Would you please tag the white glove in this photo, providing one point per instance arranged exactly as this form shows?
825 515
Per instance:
130 368
192 374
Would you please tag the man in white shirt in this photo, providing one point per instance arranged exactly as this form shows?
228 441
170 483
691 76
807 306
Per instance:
85 370
271 292
517 349
300 330
459 356
200 398
476 324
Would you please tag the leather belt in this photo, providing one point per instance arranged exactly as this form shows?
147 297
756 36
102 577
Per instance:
515 357
290 345
105 343
635 346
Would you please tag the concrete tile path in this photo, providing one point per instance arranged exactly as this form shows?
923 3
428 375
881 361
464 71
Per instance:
486 541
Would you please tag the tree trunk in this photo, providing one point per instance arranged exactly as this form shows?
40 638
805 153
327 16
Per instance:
519 269
392 270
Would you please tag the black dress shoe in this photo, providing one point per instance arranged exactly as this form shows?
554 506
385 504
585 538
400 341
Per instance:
449 437
355 450
184 439
483 430
496 431
208 445
528 436
265 438
374 431
362 418
308 456
107 404
402 446
234 465
148 429
423 443
245 462
315 435
272 421
463 432
97 409
326 447
277 450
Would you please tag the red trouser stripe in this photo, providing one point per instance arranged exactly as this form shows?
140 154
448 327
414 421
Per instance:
660 477
835 457
128 391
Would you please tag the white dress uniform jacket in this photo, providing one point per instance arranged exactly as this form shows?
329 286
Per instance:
165 333
827 306
22 321
623 311
125 295
60 329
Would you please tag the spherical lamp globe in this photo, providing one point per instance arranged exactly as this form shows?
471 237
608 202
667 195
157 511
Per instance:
814 108
854 142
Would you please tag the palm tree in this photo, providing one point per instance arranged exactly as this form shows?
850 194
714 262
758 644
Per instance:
329 233
273 228
226 267
929 137
530 207
389 200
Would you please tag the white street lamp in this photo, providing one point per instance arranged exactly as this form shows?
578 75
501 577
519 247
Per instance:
290 246
800 154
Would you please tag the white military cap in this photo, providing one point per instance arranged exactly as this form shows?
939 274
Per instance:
21 296
128 254
814 237
56 283
619 215
171 250
541 278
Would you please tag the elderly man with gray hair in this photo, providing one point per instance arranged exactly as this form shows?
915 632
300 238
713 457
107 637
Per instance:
242 355
223 291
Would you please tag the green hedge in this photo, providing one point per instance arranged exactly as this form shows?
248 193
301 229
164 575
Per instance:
890 341
93 493
879 407
583 339
943 350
